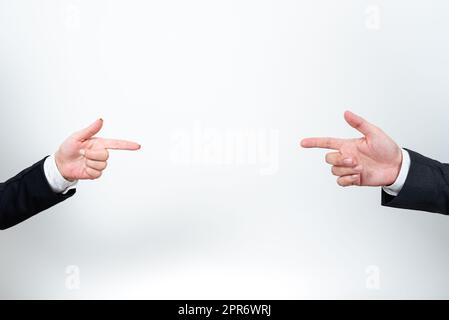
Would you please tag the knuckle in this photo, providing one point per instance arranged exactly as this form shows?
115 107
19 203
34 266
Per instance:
96 175
334 171
91 175
340 182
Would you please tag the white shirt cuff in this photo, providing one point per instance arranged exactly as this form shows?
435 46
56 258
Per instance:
397 186
55 179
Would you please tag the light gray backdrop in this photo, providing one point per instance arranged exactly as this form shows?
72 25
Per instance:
221 202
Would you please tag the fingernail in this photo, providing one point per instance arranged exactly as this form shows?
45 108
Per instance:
358 168
355 176
347 161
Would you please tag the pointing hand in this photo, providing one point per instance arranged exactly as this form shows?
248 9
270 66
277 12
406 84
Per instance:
373 160
83 156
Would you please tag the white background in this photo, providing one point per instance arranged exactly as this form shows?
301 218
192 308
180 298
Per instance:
156 228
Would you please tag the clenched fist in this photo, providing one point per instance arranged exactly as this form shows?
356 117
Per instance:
83 156
372 160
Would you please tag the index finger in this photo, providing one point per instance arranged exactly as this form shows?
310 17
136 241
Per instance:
324 143
119 144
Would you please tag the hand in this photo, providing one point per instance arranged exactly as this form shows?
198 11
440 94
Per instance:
374 160
83 157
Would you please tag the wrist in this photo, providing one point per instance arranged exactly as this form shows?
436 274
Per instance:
395 188
60 165
396 170
54 177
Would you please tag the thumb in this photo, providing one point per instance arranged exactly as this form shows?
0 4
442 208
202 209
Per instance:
359 123
90 131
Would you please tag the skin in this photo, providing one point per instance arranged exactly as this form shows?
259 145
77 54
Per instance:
373 160
84 157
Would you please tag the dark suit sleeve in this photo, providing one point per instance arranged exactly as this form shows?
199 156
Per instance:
27 194
426 187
